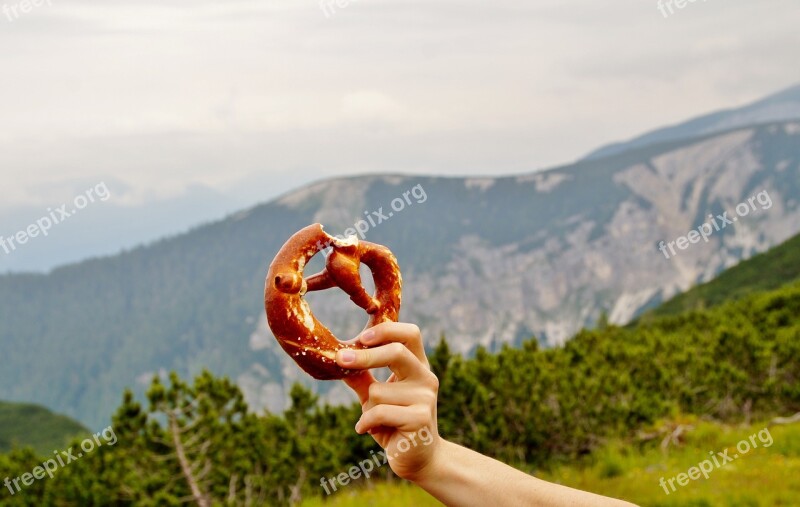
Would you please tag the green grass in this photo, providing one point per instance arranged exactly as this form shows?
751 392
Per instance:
767 271
762 477
376 494
24 425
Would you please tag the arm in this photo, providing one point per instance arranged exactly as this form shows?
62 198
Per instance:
459 476
404 408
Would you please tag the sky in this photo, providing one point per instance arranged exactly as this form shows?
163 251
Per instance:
189 110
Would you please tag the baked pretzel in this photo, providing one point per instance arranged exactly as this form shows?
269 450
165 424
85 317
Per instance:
302 336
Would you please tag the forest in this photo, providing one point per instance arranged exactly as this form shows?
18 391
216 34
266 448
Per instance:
537 409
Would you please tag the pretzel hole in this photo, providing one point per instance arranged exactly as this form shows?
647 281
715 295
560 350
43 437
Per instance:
342 316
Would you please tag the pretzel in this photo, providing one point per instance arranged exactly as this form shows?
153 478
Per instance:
312 345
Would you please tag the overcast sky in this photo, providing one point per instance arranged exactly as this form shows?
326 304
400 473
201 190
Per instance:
239 100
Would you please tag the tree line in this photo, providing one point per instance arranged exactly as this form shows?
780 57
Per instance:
197 442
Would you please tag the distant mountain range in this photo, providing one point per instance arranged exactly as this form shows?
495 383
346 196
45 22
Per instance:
486 261
781 106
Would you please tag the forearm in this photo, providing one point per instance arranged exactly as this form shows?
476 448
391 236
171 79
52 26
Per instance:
458 476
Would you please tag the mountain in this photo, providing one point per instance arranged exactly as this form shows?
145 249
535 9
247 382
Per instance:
775 268
24 425
781 106
487 261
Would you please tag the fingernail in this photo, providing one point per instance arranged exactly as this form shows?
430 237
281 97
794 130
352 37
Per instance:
367 336
357 426
347 356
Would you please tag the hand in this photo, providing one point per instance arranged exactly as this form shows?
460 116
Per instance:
400 413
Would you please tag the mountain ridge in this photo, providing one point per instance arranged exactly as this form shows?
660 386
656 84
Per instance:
487 261
777 107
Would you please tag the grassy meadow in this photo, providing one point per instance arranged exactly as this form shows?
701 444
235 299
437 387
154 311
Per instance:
763 477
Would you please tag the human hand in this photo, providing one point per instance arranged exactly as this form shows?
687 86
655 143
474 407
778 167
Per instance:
400 413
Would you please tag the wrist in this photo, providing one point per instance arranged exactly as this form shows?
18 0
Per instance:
435 466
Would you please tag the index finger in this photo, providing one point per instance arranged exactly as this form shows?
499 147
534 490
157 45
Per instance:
395 355
396 332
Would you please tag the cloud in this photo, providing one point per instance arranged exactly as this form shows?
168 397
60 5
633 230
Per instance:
371 105
161 95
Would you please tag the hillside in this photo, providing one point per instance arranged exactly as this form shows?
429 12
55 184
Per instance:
772 269
488 261
23 425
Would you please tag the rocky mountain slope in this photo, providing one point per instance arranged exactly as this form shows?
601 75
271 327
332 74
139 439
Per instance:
775 268
486 261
